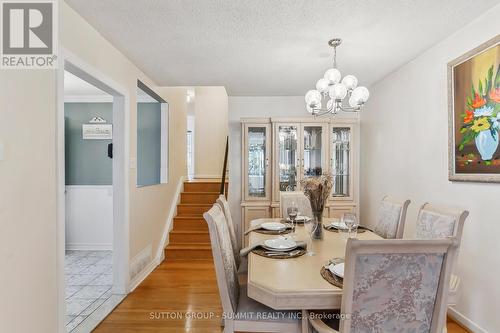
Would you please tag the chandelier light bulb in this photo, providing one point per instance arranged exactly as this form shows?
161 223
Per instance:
313 98
353 103
332 76
350 82
360 95
337 92
322 85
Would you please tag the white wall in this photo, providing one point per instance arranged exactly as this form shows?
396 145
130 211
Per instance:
211 108
28 192
89 217
28 280
404 152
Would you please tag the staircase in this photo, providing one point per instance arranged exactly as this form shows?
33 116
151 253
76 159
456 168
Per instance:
189 239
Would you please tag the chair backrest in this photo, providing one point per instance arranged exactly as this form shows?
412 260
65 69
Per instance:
440 222
299 199
391 218
396 285
232 232
225 265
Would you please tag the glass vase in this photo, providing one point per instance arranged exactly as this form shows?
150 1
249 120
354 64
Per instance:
318 232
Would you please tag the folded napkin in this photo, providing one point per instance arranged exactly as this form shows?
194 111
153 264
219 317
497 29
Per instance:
259 226
244 252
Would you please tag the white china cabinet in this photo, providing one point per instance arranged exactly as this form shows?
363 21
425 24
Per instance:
277 153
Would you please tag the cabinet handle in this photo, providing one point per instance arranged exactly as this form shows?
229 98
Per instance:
302 162
267 162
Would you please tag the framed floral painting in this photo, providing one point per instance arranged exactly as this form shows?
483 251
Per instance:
474 114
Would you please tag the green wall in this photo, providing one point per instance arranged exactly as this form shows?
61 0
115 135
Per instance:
87 161
148 144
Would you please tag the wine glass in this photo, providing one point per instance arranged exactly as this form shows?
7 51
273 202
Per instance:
292 212
351 223
311 225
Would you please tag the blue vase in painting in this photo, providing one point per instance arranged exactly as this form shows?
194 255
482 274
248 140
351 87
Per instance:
487 144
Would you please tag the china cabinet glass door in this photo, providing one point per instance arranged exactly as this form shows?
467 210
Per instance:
340 161
287 157
312 155
257 162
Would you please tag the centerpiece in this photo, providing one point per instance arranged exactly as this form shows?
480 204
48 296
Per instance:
317 190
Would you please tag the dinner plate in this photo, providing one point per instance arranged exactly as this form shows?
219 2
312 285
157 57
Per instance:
339 225
300 218
280 244
273 226
337 269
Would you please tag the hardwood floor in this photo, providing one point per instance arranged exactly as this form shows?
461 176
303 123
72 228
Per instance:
176 288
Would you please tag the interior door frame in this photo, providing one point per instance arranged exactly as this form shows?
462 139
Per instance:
121 143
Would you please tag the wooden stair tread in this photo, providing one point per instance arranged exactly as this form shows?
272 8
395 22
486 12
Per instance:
190 217
190 232
189 246
195 204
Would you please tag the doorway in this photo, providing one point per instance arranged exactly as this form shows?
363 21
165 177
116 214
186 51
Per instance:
88 141
92 180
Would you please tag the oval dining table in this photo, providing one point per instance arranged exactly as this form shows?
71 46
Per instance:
296 283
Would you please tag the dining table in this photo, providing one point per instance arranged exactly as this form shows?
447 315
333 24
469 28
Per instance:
296 283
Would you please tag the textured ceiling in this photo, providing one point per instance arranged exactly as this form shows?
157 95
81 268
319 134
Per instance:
273 47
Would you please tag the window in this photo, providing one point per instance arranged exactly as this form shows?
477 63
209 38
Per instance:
152 134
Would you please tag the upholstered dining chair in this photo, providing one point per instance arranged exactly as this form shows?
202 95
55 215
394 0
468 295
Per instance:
242 314
391 218
299 199
435 222
221 200
392 286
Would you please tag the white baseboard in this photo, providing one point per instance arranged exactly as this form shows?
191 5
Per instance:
464 321
160 254
143 274
89 247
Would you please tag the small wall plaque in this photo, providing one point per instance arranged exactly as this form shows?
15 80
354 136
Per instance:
97 132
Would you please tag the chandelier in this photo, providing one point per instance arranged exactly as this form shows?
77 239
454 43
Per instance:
332 91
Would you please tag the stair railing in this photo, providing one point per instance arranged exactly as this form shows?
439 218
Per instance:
224 169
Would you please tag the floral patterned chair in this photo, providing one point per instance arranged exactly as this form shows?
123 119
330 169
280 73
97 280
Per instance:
242 314
299 199
232 233
392 286
434 222
391 218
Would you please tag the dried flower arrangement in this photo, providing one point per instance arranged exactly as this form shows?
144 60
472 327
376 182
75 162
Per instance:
318 189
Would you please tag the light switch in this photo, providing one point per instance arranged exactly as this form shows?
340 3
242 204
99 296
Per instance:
2 151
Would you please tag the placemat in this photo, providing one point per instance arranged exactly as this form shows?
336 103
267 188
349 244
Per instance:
272 232
360 229
332 278
262 252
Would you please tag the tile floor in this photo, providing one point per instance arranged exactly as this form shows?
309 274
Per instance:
89 278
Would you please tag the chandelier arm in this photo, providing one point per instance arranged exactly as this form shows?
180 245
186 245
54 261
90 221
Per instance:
322 112
350 109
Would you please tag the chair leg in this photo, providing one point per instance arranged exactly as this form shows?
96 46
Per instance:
228 326
305 322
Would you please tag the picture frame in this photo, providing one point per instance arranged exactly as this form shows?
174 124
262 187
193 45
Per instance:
474 114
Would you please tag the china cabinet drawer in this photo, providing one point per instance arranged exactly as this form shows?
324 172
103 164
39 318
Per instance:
250 213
